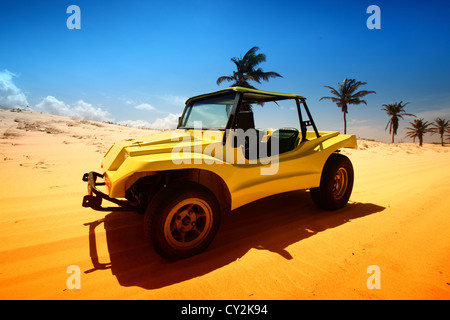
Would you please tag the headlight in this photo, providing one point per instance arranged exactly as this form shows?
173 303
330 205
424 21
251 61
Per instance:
107 182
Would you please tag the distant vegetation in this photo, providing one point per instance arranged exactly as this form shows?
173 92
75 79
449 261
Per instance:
418 129
344 95
441 127
396 111
347 94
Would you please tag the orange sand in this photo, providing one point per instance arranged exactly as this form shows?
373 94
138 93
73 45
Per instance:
277 248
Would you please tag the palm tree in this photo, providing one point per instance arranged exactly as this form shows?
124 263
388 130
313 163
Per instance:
347 94
247 70
396 111
418 128
440 126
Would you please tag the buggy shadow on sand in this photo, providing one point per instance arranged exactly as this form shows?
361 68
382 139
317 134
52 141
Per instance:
134 262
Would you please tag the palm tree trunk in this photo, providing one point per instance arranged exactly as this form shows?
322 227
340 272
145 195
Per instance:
392 137
345 124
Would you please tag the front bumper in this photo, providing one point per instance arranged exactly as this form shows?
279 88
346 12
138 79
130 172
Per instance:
94 196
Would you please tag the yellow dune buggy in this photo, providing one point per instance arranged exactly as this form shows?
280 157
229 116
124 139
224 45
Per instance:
220 157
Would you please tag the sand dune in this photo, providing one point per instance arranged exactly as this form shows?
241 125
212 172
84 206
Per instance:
282 247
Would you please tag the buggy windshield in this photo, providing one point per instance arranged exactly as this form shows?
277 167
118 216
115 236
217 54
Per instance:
208 113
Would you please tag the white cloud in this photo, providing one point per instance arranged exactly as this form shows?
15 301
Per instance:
168 122
79 109
53 106
85 110
10 95
13 97
431 115
140 124
145 106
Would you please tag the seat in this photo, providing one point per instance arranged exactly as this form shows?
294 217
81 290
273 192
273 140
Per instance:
287 140
245 120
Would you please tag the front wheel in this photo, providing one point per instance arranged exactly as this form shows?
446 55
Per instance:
182 220
336 183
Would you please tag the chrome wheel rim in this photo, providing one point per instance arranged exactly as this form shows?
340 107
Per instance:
188 223
340 183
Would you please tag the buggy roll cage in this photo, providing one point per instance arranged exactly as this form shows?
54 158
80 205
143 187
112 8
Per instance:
254 96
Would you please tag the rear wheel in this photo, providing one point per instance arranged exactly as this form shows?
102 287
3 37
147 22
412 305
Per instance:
336 183
182 220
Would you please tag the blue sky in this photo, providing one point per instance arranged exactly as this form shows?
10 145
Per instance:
139 60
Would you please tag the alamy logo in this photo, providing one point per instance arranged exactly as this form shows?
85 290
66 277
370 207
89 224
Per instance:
74 280
374 280
374 20
74 20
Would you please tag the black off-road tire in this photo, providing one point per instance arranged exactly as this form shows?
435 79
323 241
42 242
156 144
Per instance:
336 183
182 220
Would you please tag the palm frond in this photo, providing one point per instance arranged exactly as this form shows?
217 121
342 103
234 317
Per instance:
441 127
249 53
418 129
247 71
236 61
224 78
346 94
334 91
395 111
